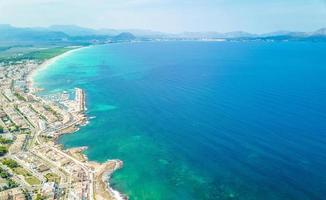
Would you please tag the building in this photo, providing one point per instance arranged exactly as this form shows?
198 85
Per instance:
49 190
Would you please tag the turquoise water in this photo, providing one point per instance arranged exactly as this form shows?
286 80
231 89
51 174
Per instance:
203 120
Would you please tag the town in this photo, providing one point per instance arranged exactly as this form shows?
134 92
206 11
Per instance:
32 164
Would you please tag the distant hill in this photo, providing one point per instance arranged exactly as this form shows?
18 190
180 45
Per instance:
214 35
72 30
75 35
319 35
239 34
12 34
284 33
320 32
54 35
124 37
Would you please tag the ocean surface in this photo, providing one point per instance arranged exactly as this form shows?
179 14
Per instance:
203 120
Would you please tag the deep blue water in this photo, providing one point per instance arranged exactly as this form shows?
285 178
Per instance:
203 120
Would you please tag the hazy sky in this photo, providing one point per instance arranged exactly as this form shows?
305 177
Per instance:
169 15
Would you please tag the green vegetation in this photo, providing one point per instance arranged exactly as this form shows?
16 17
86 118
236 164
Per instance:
5 141
39 197
32 180
55 113
1 129
21 171
11 51
3 150
27 132
13 128
14 166
37 54
19 96
47 53
5 119
52 177
29 178
4 173
6 180
10 163
12 184
26 194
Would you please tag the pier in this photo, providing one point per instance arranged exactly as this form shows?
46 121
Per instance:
80 100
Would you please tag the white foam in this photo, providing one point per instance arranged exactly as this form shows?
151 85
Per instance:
117 195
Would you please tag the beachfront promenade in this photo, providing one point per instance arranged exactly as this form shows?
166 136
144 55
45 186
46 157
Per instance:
36 166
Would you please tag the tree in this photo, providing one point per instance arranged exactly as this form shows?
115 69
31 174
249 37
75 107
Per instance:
3 150
10 163
39 197
13 128
12 184
5 141
4 173
1 129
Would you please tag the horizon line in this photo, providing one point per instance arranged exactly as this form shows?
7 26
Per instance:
165 32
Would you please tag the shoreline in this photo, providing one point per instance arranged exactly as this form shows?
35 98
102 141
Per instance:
44 65
103 170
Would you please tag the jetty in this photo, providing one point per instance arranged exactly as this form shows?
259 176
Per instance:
80 100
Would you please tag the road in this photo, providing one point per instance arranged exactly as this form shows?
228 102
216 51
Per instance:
88 171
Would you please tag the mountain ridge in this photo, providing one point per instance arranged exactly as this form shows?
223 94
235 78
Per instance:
78 34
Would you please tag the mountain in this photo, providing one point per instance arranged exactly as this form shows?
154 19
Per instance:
9 33
213 35
284 33
238 34
320 32
193 35
55 35
126 36
316 36
144 33
72 30
76 35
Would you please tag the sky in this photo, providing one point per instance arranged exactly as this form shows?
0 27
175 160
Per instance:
257 16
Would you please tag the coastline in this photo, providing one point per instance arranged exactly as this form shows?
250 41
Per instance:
44 65
102 171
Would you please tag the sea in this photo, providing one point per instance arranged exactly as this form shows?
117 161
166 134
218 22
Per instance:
202 120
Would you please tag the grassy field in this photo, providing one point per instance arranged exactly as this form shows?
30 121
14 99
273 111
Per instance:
46 53
32 180
14 51
21 171
28 177
52 177
17 54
